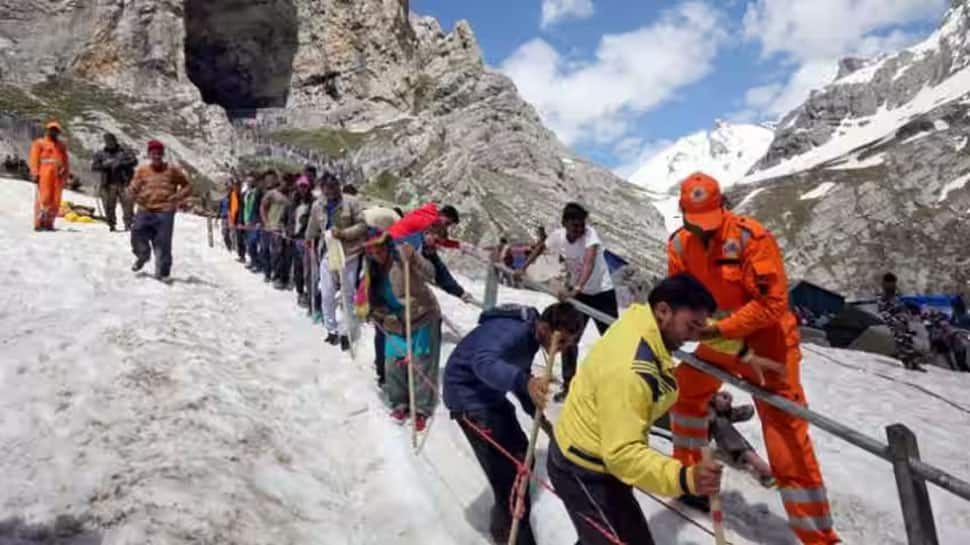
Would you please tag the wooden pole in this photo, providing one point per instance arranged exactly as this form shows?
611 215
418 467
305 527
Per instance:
717 512
913 496
410 352
533 439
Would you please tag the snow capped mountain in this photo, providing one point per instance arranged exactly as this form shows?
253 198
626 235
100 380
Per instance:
873 98
726 152
871 173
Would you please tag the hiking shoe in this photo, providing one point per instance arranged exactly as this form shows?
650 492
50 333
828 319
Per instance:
279 285
332 338
139 263
317 317
267 279
111 228
399 415
345 343
420 422
302 301
701 503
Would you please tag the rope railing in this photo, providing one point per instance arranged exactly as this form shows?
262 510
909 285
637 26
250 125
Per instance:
904 457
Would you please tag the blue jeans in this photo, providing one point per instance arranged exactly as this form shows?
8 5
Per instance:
266 252
152 232
252 243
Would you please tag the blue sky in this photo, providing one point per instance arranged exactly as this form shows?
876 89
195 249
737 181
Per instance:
619 79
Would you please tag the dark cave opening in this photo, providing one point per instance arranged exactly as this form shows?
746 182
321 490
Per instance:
239 53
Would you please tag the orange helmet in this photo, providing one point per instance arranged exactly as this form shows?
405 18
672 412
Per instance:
701 201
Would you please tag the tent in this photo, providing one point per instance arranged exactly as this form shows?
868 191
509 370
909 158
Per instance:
818 300
613 261
850 323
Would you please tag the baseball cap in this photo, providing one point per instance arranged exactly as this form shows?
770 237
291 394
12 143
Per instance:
303 181
701 201
54 125
155 144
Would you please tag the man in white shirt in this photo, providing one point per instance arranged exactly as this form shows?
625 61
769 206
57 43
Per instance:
587 275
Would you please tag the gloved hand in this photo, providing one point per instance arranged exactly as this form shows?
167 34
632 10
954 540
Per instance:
468 298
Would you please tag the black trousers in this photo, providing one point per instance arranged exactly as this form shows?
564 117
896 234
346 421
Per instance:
241 244
379 354
151 233
502 425
579 488
283 249
299 266
604 301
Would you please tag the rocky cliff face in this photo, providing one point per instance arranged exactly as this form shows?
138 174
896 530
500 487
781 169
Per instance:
870 174
411 106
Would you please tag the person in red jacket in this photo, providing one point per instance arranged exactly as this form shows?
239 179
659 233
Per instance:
740 263
50 170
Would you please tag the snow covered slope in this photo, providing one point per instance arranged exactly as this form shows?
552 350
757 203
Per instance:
727 152
210 411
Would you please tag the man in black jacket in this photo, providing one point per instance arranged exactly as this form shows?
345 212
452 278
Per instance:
116 165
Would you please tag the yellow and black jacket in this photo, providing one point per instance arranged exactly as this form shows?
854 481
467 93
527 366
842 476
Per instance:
623 386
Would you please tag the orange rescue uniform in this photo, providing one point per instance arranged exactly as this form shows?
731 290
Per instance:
49 163
741 265
233 207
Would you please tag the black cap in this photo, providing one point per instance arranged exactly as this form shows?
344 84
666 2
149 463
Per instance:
451 213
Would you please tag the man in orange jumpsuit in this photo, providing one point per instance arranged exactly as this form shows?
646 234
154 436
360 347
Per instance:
740 263
50 169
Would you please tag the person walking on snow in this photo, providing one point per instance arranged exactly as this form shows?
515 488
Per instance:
897 317
493 360
589 277
343 216
740 263
428 227
386 301
50 169
297 217
235 221
116 165
600 450
158 189
252 202
271 211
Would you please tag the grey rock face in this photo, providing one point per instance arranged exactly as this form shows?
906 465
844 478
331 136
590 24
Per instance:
906 212
887 83
428 120
896 203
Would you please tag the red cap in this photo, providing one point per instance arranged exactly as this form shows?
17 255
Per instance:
701 202
155 144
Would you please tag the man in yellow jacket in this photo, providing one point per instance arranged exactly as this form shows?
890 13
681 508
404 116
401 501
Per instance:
600 451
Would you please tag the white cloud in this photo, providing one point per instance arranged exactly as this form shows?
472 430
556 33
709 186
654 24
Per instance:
814 35
598 100
555 11
828 28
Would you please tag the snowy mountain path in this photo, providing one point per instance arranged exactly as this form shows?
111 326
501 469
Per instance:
211 411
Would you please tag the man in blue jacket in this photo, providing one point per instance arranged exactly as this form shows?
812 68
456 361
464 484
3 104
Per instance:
493 360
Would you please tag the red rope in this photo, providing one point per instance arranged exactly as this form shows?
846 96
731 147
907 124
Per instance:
523 471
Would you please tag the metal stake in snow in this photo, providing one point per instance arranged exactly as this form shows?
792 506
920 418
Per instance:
407 335
523 484
717 512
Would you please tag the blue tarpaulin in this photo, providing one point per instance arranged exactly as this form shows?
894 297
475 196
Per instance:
942 303
613 261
